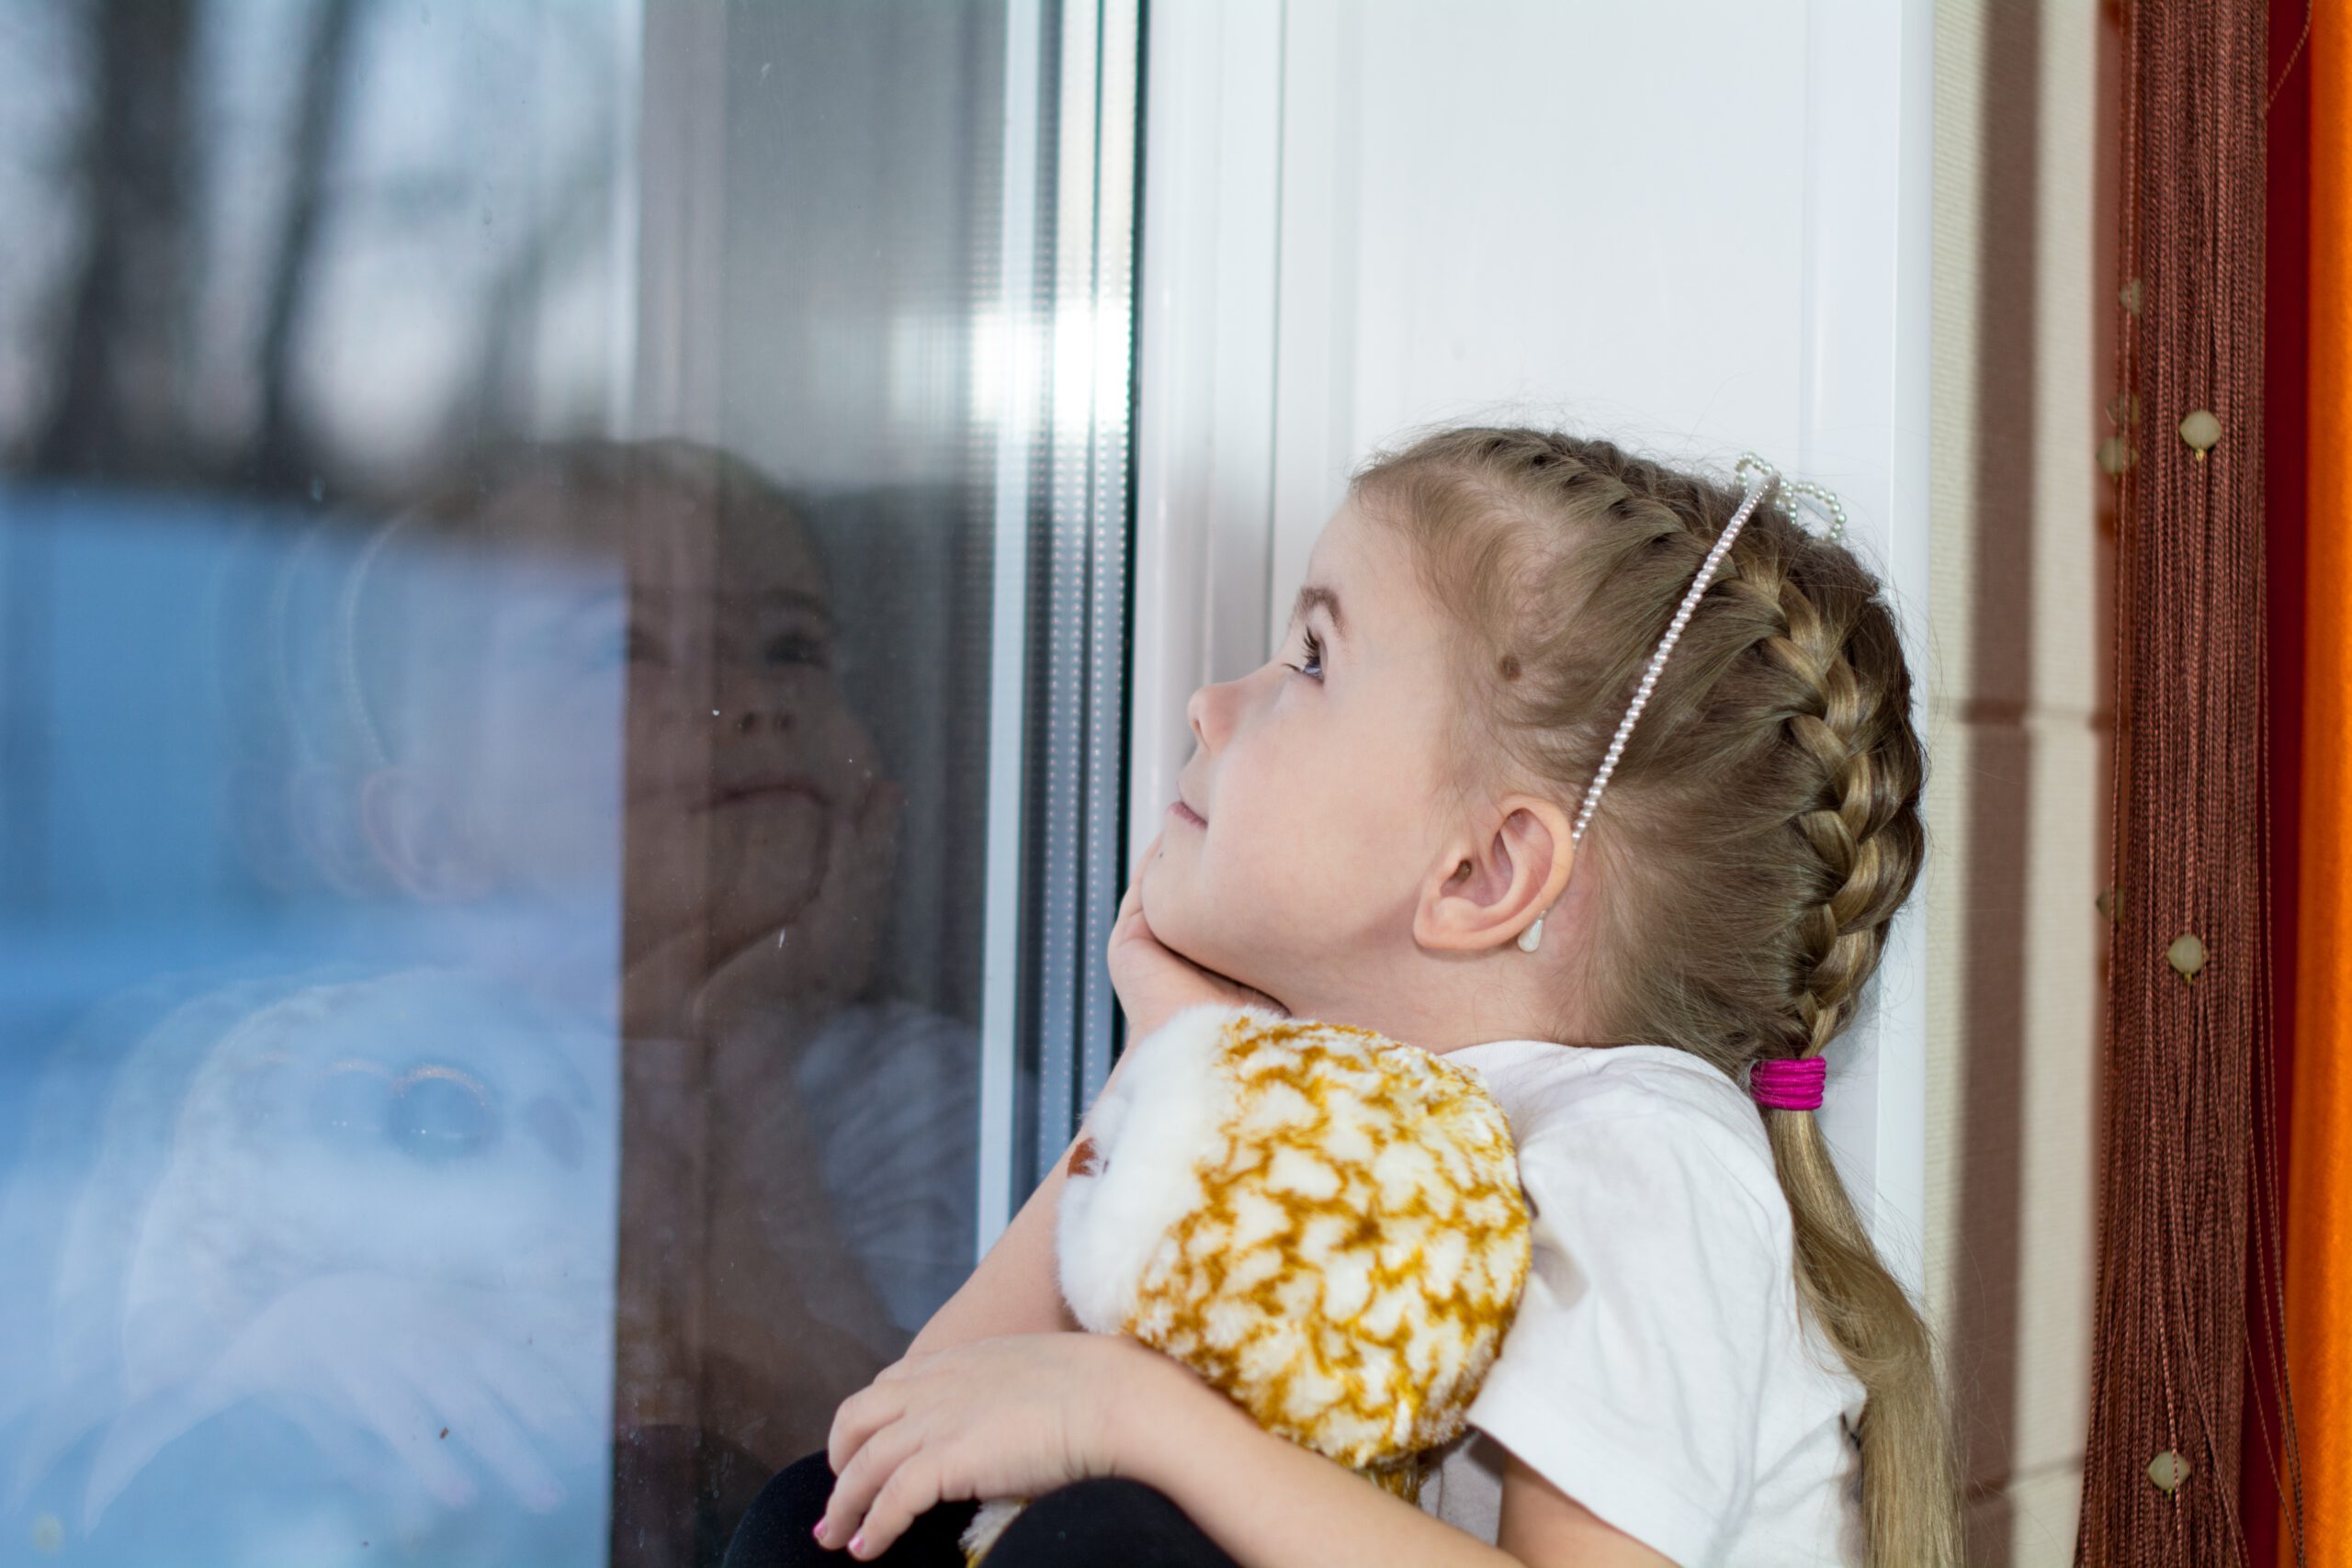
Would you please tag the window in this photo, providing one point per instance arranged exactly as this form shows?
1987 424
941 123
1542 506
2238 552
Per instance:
564 597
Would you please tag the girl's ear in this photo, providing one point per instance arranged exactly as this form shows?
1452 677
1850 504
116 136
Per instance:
1490 889
420 839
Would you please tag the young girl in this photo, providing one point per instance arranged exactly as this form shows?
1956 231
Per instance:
1600 778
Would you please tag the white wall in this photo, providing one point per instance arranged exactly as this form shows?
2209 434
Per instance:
1696 229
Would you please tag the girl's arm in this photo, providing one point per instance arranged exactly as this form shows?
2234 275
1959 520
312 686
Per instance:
1016 1289
1271 1504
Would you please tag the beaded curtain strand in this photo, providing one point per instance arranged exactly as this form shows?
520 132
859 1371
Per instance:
2187 1047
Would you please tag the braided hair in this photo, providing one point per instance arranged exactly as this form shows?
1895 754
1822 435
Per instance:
1760 829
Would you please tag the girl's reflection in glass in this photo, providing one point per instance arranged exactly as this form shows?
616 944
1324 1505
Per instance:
333 1268
795 1191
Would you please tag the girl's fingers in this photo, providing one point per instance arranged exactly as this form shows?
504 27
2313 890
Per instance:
473 1415
857 1485
535 1388
860 1416
389 1402
912 1490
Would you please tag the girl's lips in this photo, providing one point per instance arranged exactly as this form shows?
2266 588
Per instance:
1184 813
767 785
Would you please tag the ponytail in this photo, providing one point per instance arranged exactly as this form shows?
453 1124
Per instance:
1909 1493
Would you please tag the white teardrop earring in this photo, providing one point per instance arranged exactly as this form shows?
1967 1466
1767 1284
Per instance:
1533 934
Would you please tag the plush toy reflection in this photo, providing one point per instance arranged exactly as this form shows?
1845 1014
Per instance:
1325 1224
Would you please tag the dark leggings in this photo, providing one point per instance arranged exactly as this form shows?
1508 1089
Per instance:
1106 1523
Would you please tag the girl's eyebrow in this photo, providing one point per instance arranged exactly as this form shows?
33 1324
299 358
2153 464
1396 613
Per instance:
1313 593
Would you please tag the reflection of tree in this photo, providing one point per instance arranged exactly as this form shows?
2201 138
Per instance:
148 175
124 356
582 205
276 459
117 359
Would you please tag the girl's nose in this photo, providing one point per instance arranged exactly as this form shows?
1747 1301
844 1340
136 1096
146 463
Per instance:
1211 713
747 706
744 721
1199 711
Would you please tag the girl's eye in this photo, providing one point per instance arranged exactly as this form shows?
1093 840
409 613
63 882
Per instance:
792 648
641 647
1314 657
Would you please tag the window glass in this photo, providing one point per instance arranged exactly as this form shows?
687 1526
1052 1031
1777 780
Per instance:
505 644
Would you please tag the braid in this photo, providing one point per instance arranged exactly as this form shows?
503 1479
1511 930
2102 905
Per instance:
1863 821
1760 831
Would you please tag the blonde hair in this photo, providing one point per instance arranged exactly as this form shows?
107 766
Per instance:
1760 829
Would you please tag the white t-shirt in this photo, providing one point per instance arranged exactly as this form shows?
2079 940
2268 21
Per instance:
1660 1370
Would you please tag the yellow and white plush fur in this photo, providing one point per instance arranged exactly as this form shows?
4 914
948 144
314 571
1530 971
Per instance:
1325 1224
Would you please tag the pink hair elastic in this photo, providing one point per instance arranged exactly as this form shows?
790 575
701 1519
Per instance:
1789 1083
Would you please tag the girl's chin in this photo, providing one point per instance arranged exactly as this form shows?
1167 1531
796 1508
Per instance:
1236 967
1177 936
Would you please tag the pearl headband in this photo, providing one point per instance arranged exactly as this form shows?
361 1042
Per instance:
1760 478
1757 484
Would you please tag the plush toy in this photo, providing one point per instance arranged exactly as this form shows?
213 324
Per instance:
1325 1224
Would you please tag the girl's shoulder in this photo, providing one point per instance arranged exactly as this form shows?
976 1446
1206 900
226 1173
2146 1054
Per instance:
1597 1079
1566 1101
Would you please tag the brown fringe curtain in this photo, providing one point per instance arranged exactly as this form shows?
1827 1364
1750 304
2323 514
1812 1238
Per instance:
2187 1046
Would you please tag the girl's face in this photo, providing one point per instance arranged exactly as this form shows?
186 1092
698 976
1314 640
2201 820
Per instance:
1317 775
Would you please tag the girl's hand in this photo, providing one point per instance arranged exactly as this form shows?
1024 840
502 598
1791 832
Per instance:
1011 1416
1154 982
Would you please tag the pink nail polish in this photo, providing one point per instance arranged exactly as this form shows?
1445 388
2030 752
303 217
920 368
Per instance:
819 1531
857 1541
